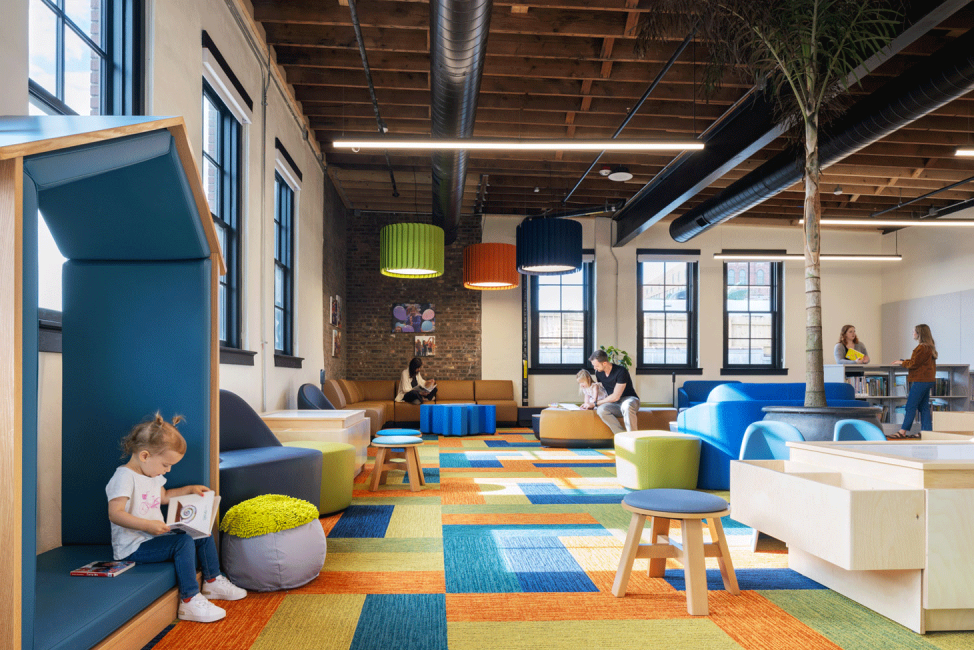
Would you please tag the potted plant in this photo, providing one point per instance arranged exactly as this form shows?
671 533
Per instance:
617 356
802 51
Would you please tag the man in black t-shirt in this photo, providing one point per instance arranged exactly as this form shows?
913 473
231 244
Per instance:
622 399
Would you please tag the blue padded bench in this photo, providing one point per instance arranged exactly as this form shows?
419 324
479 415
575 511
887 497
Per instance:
96 606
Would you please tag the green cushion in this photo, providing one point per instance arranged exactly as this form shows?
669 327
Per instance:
337 472
657 459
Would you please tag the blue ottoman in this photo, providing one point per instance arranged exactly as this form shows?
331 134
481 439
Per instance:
458 419
690 508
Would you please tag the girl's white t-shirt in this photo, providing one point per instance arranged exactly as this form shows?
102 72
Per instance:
595 391
145 497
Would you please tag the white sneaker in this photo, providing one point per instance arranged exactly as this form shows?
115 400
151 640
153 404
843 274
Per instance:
223 589
199 609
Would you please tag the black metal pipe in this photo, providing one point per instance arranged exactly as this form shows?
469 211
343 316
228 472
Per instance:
639 104
458 47
921 197
944 77
380 125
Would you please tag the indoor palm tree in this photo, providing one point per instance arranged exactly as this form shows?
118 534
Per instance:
804 52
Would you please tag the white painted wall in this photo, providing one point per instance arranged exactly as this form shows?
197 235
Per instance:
173 87
852 293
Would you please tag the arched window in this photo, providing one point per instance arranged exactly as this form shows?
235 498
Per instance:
759 276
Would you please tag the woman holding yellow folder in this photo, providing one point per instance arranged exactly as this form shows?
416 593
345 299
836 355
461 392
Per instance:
849 349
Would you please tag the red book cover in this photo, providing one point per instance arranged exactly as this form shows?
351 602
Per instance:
103 569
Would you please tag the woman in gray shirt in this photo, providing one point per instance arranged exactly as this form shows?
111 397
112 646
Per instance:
849 341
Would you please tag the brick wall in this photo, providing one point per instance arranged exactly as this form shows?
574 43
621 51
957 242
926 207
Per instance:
372 350
333 274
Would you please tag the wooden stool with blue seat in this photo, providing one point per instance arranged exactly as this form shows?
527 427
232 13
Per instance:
689 507
397 443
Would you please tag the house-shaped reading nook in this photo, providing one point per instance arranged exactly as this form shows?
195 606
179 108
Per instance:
124 202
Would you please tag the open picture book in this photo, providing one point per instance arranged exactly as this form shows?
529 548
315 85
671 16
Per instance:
193 513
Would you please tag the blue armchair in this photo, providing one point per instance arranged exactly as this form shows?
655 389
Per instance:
696 391
254 462
857 430
311 398
767 440
721 421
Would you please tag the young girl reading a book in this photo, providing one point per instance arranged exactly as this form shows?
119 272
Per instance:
591 390
139 532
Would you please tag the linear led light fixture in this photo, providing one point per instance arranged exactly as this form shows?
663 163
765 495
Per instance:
521 145
964 152
899 223
780 255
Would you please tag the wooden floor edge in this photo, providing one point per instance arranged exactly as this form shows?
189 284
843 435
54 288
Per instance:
144 626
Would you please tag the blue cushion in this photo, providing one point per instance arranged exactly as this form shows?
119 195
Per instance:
77 612
240 426
310 397
248 473
136 341
399 432
392 441
670 500
89 194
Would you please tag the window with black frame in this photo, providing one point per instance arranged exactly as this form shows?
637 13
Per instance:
84 59
221 182
667 311
562 317
753 337
283 267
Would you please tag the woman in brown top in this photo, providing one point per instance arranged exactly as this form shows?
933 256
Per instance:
923 371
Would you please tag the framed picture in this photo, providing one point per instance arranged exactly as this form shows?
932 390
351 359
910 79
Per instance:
336 343
336 311
425 346
413 317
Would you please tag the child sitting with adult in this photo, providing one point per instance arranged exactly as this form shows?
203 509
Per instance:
621 398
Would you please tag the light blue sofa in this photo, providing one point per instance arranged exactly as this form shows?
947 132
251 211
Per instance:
720 422
696 391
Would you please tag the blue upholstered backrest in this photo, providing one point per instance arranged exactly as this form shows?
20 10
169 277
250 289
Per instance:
697 390
310 397
241 427
857 430
766 440
766 392
136 341
125 199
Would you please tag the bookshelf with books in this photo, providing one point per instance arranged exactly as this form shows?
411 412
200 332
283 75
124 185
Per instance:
886 386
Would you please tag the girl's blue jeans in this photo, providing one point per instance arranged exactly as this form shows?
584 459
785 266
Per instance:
183 551
918 399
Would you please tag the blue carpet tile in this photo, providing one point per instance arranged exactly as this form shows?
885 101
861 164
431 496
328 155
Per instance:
574 464
414 621
556 582
541 493
363 521
431 474
454 460
749 580
505 443
486 463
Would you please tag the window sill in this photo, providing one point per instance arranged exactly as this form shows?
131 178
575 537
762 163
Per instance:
754 371
286 361
566 370
235 357
662 370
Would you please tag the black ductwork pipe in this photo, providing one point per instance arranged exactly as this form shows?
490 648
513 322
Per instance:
942 78
458 45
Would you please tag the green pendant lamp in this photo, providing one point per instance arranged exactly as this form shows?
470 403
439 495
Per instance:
411 250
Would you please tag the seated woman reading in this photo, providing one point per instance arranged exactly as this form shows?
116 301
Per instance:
412 387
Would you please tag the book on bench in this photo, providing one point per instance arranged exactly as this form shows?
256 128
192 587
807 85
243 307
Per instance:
193 514
104 569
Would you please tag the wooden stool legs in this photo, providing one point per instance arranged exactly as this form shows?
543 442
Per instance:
382 466
692 556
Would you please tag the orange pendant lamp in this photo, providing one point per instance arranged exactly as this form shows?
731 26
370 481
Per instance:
490 267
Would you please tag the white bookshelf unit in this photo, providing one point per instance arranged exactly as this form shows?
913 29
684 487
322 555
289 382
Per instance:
886 386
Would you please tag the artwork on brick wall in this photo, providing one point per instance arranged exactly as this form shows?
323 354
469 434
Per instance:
336 311
336 343
425 346
413 317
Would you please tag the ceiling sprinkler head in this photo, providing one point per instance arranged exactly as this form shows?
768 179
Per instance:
620 173
837 190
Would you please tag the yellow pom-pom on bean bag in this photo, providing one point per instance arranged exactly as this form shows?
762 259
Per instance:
268 513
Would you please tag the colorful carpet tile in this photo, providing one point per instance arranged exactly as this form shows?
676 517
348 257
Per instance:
513 546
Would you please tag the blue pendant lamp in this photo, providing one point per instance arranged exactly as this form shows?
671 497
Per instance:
549 246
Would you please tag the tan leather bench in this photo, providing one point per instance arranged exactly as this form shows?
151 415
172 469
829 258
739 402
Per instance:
570 428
